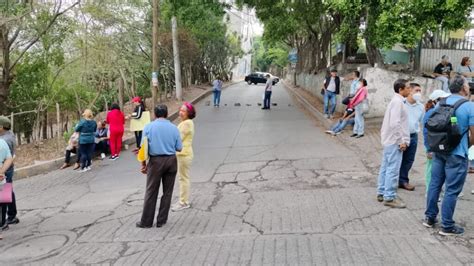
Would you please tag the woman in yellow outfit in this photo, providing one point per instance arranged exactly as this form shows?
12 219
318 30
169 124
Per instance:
185 157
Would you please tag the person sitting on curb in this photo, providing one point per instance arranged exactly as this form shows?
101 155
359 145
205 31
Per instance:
102 139
72 147
347 119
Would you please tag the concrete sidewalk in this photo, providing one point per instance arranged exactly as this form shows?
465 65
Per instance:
269 187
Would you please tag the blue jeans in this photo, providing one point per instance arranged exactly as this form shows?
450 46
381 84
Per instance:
408 159
341 124
329 96
359 121
389 172
450 170
266 99
217 97
445 82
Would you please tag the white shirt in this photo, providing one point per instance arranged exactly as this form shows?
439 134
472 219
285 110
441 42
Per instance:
395 129
268 85
332 85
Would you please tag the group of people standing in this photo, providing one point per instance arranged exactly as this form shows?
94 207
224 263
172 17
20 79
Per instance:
7 157
170 153
90 136
447 155
356 101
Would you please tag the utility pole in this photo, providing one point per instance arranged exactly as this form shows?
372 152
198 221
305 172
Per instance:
155 56
177 63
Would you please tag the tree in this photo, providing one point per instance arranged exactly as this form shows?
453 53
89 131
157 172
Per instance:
23 26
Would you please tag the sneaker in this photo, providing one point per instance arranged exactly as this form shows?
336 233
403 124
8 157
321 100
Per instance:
359 136
395 203
179 207
380 198
116 157
13 220
429 222
338 133
454 231
353 135
112 157
83 170
88 168
326 116
5 227
329 132
460 195
102 156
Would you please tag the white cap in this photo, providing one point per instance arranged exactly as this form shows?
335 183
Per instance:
436 94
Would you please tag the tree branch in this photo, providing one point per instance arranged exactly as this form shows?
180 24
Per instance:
42 33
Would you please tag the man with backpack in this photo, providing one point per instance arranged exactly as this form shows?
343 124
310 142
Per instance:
395 136
448 137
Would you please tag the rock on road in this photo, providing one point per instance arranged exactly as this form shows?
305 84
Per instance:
268 187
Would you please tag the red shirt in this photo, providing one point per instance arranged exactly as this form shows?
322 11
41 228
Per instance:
116 120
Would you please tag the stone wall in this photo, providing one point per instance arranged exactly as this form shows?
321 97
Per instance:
380 85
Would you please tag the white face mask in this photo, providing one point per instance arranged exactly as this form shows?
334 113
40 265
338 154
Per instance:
417 97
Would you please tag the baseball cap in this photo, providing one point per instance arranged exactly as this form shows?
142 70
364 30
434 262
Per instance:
5 122
436 94
136 99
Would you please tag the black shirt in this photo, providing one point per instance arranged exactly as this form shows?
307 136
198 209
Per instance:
442 69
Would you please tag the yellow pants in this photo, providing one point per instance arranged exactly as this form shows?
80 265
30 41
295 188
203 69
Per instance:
184 166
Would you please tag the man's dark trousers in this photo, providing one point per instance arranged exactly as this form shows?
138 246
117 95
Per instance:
266 99
408 159
160 169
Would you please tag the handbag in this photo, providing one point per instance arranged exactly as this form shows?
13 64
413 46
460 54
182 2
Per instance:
6 191
322 91
365 106
346 100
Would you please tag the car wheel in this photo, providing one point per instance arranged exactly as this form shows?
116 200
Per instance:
249 82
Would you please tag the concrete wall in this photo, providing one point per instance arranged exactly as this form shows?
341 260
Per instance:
431 57
380 85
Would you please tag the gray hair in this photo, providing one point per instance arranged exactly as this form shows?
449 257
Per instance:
457 84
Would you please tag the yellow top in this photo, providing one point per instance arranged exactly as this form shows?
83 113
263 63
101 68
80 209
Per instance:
186 130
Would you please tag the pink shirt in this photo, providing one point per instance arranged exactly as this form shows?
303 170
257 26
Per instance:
360 96
395 128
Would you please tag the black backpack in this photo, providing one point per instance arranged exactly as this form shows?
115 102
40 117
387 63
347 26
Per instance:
444 134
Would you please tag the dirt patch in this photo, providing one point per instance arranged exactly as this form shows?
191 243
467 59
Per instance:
46 150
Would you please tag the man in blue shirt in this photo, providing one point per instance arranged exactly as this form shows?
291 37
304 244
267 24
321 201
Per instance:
416 110
451 168
164 141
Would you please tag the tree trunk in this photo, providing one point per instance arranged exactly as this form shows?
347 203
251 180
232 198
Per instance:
5 78
373 55
177 63
120 93
155 47
45 125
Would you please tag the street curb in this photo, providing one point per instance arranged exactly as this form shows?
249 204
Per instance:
369 122
48 166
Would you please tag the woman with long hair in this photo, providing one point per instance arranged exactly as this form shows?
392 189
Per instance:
185 157
116 121
86 128
357 103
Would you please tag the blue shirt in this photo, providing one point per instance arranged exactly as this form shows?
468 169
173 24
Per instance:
354 84
425 130
4 152
415 116
465 116
465 69
163 138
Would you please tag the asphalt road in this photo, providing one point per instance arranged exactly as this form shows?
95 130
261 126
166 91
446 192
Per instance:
268 187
